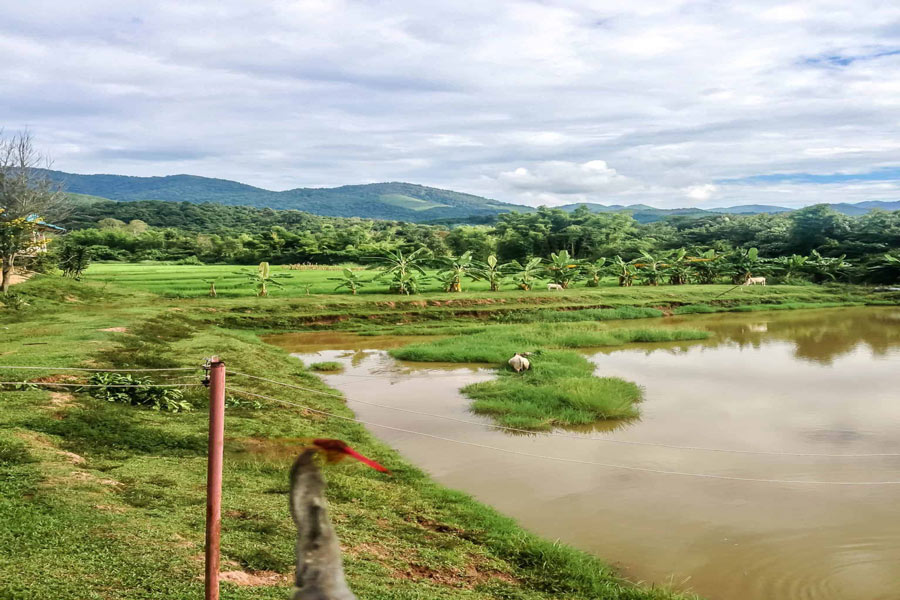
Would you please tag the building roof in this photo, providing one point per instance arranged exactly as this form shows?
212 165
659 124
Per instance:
41 223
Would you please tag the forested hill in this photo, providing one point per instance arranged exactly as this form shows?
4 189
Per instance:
392 201
385 201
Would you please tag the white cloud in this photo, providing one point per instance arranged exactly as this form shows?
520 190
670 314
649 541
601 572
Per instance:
515 101
700 193
562 178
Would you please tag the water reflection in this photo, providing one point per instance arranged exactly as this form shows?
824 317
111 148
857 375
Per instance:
820 381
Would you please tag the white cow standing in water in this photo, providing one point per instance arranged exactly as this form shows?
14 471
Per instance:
519 363
755 280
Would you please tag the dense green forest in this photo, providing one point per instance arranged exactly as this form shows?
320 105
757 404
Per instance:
151 230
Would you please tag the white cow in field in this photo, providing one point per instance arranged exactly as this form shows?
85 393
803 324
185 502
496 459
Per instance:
553 286
519 363
755 280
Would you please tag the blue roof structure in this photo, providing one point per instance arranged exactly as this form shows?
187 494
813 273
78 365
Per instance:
36 219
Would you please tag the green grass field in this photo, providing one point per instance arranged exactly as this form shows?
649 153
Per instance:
102 500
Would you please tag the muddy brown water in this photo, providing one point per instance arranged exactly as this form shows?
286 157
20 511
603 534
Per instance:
804 382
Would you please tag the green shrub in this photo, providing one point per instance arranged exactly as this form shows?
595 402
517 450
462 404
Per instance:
137 391
327 365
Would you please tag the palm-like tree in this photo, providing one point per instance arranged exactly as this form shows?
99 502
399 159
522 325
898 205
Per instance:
405 271
887 268
594 270
677 267
524 275
262 278
742 263
350 280
823 268
491 271
791 266
624 270
707 267
650 268
562 268
454 269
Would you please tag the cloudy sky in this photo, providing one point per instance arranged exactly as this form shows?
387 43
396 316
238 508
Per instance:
665 102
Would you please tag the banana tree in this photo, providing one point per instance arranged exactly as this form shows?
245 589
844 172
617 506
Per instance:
406 272
454 269
886 269
742 263
349 279
263 278
791 266
524 275
650 268
491 271
677 267
594 270
707 267
823 268
624 270
562 268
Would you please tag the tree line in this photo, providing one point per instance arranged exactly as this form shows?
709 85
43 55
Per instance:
795 245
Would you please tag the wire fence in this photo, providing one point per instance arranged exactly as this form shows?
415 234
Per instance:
476 423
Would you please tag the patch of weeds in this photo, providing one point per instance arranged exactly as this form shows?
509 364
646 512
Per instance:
327 365
136 391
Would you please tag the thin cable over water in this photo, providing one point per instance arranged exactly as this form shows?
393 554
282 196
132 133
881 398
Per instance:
569 460
568 435
98 370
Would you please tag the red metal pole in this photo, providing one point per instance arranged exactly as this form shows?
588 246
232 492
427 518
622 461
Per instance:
214 474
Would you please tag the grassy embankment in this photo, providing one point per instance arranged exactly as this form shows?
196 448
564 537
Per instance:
375 311
560 388
101 500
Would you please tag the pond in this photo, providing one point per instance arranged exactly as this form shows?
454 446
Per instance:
758 404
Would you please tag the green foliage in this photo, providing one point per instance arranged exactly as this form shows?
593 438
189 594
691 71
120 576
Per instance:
405 272
454 268
73 259
525 275
350 280
262 278
137 391
560 388
491 271
562 268
326 365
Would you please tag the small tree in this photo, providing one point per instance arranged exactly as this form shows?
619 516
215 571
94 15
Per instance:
212 287
263 278
524 275
594 270
454 269
562 268
677 267
650 268
707 267
350 280
74 259
742 263
26 195
624 270
406 272
491 271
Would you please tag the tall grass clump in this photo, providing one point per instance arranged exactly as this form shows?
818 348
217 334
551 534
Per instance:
560 389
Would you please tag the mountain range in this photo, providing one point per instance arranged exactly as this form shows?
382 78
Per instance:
393 201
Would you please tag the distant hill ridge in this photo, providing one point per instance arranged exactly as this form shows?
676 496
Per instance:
393 200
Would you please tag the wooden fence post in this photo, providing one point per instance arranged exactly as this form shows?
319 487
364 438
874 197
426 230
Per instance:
214 474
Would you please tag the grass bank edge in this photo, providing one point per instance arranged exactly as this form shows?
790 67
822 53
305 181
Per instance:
103 532
560 389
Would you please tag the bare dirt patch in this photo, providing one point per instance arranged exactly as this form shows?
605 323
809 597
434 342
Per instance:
254 578
115 329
